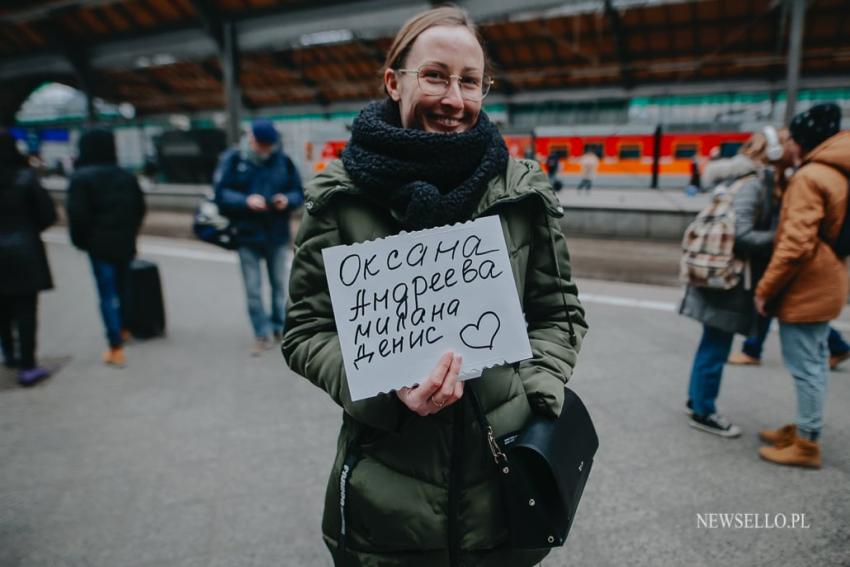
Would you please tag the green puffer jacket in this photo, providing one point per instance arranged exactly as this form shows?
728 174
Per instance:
423 491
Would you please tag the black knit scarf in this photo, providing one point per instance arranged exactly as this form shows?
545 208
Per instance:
433 178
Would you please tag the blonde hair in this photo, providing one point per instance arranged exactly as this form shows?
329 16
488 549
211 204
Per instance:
448 15
755 148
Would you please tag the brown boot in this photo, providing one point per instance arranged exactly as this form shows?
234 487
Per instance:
781 437
261 345
115 357
800 453
743 359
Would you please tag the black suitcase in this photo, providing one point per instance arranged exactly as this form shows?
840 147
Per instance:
144 312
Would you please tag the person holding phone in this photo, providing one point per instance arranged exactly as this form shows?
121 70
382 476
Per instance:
258 187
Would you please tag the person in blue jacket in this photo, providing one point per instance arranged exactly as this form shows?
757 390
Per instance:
257 187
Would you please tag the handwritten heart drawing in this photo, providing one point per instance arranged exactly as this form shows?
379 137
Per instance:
483 333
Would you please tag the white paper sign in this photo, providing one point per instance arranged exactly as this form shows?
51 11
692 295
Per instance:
402 301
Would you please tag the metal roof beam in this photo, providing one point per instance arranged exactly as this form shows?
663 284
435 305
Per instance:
840 31
367 19
45 64
46 9
211 20
184 44
620 45
285 60
229 55
495 10
169 92
225 35
79 56
795 52
695 31
556 41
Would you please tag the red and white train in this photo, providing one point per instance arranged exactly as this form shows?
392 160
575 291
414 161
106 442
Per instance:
626 153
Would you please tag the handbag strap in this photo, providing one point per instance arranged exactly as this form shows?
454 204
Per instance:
499 456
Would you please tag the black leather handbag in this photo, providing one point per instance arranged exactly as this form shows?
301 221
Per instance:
543 470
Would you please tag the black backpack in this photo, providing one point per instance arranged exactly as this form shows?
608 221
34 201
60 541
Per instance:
842 243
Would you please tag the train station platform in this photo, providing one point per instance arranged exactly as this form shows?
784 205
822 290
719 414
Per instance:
624 234
197 454
634 212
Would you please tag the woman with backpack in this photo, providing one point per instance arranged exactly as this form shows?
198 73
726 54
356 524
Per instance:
747 181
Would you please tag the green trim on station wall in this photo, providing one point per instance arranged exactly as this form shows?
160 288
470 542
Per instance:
839 94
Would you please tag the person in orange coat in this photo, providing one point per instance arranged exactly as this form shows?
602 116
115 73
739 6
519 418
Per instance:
806 283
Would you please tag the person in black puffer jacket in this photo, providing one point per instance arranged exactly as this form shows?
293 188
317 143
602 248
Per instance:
25 210
105 211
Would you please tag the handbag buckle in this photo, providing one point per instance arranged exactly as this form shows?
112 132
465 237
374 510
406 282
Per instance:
495 450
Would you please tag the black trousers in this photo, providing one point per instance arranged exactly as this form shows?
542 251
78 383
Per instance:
18 313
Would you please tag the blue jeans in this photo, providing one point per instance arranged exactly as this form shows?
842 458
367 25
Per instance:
755 343
111 280
836 343
804 350
250 258
707 369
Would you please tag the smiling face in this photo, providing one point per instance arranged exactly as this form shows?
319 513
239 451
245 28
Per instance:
453 49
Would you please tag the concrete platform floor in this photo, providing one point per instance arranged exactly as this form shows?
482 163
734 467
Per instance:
637 261
196 454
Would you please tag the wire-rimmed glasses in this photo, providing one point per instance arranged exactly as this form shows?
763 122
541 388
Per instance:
435 81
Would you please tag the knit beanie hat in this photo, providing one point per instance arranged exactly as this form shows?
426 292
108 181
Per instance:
815 125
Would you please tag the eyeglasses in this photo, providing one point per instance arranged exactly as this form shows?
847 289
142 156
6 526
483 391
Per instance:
435 81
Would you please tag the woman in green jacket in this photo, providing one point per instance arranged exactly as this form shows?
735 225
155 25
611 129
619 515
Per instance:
413 483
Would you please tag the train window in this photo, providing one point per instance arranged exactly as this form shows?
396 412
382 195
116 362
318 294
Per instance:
684 151
561 150
729 149
630 151
595 147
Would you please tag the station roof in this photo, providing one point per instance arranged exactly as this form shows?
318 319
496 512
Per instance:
163 55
